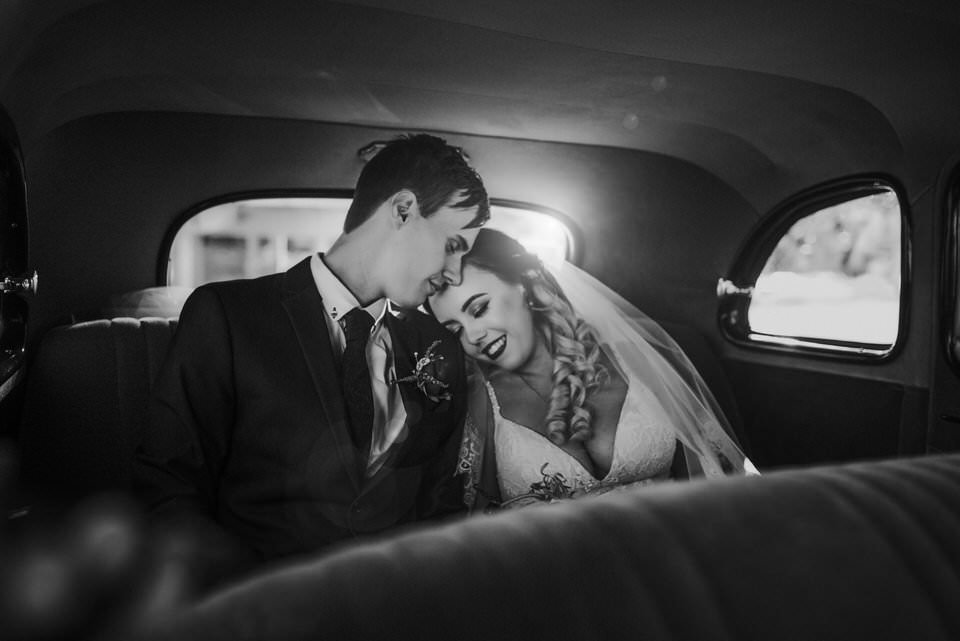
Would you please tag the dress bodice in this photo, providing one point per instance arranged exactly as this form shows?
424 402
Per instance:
643 450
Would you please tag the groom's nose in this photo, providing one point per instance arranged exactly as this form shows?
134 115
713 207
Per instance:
453 269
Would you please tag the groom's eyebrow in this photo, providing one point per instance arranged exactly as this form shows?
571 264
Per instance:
466 303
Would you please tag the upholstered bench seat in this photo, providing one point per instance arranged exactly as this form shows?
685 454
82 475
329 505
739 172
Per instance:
86 404
862 551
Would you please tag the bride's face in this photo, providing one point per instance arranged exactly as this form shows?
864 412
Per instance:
490 317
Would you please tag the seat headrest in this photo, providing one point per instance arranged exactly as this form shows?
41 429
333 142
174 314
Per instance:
160 302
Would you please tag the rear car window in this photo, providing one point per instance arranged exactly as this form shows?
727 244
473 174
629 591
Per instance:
255 237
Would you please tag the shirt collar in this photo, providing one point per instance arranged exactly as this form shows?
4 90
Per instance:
337 298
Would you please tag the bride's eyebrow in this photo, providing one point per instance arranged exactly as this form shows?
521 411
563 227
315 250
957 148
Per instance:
467 302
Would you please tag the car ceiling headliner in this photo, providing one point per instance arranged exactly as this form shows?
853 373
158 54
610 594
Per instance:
769 96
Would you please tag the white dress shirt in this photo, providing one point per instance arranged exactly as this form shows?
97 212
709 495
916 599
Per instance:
389 415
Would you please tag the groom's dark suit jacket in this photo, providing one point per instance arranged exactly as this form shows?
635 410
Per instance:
249 444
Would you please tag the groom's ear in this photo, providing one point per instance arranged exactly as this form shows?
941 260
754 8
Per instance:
403 206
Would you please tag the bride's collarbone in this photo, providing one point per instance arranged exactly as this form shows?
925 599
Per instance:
522 404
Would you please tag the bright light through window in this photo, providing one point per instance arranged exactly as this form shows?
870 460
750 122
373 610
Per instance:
251 238
540 233
835 275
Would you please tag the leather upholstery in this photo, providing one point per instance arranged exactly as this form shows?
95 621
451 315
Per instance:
151 302
863 551
86 403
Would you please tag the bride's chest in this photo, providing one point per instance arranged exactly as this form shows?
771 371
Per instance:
595 454
637 443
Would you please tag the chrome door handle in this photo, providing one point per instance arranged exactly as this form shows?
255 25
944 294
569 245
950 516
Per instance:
727 287
20 285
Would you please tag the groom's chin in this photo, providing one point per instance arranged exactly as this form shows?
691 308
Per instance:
407 304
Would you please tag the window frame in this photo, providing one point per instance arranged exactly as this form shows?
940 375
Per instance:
574 234
14 263
950 276
753 254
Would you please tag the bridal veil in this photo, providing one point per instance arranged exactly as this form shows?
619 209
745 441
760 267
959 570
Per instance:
644 352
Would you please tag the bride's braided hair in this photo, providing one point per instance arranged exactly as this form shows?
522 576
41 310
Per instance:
572 342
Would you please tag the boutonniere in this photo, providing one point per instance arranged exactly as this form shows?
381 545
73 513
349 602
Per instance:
430 372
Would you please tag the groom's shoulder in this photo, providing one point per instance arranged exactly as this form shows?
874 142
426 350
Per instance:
424 323
243 286
227 294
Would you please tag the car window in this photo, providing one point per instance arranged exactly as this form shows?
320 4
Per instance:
255 237
831 277
951 277
835 274
14 282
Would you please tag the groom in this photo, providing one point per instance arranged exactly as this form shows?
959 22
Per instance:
303 408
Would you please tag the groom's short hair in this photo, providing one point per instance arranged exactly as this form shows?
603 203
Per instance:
433 170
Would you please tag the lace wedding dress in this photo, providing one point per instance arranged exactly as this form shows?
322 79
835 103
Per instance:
643 451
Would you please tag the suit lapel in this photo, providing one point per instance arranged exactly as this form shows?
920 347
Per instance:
304 306
403 361
427 427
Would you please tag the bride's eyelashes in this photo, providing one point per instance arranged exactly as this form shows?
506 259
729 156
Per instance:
475 310
479 309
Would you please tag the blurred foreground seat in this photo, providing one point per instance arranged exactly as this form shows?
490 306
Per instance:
863 551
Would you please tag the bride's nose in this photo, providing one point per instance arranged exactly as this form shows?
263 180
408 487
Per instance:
474 334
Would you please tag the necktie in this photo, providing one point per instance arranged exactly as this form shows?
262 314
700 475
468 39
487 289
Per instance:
355 376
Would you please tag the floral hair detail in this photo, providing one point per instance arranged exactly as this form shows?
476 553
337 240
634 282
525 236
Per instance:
427 374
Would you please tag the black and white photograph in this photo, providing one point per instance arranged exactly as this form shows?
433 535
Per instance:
479 321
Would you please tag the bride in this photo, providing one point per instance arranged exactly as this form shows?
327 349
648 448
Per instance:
574 391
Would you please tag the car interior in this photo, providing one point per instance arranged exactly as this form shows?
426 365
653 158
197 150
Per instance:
776 183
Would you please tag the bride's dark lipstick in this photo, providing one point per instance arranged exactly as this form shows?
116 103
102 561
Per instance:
494 349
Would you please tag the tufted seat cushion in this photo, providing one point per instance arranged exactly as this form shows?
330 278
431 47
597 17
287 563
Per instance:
86 403
863 551
159 302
